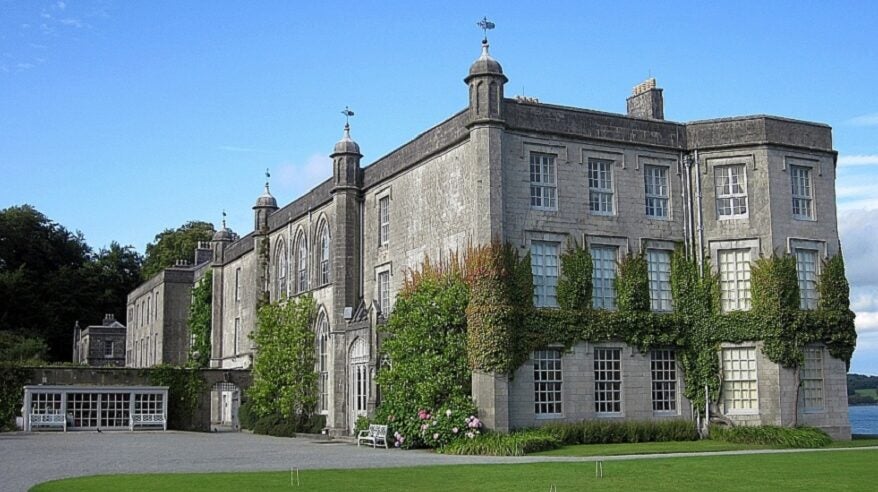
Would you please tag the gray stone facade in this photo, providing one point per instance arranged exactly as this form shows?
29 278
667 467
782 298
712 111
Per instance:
100 345
472 179
158 310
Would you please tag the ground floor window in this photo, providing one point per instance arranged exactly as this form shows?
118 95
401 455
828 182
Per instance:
607 380
811 375
740 388
663 366
547 382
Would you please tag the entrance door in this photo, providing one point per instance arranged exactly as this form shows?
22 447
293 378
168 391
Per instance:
359 381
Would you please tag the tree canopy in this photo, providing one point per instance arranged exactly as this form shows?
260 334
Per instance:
50 278
172 245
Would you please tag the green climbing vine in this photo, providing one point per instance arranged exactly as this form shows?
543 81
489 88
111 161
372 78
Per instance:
199 322
185 388
632 284
574 283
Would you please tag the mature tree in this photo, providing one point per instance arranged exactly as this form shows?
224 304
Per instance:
172 245
49 279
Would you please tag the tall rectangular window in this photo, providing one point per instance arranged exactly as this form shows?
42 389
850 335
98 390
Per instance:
384 293
603 277
607 380
734 279
237 335
383 221
740 388
543 181
806 271
547 382
811 376
657 191
659 272
663 365
600 186
237 284
731 191
108 348
802 194
544 267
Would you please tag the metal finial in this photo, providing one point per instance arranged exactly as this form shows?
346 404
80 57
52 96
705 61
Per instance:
224 218
486 26
347 114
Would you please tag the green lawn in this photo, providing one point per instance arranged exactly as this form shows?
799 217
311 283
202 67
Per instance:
841 470
676 447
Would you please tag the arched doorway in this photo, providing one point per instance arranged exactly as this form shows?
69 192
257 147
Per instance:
225 399
359 380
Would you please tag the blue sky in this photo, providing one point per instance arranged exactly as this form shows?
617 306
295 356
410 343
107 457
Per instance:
120 119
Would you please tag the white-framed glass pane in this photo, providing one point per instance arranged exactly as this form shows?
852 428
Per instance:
800 178
806 271
607 380
383 221
547 382
544 267
600 186
603 277
811 375
663 366
543 181
657 191
659 272
384 293
734 279
731 191
740 386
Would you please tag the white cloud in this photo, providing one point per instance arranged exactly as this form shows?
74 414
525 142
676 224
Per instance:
867 322
858 160
299 178
857 231
864 120
72 21
61 5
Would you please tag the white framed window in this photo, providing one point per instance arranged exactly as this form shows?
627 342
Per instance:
657 191
237 284
607 380
811 376
301 263
731 191
603 277
600 186
384 293
108 348
663 366
806 271
740 386
547 382
323 364
324 255
800 177
543 181
383 221
237 337
658 263
734 279
544 267
280 274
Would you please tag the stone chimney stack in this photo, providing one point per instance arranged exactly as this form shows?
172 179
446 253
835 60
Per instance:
646 101
109 319
203 253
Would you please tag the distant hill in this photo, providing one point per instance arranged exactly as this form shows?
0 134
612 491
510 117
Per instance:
862 389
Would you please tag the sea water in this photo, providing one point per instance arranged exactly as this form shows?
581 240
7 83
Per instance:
864 419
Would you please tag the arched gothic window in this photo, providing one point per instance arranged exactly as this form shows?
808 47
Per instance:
324 254
323 363
280 274
301 263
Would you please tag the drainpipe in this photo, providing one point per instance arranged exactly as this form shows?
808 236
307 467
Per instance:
700 246
684 195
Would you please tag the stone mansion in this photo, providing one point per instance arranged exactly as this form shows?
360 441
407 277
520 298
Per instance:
537 176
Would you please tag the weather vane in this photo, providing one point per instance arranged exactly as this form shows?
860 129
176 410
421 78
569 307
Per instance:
486 26
224 218
347 114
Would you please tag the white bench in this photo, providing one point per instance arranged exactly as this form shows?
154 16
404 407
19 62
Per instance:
376 434
50 420
148 420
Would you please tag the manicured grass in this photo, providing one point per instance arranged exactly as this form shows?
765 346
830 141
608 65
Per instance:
648 448
839 470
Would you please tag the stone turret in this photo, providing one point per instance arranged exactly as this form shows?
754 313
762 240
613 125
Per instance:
485 81
346 161
265 205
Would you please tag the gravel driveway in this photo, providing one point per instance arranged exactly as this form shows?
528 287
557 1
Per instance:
27 459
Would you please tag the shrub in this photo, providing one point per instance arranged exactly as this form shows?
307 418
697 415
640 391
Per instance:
280 426
787 437
611 432
497 444
246 416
